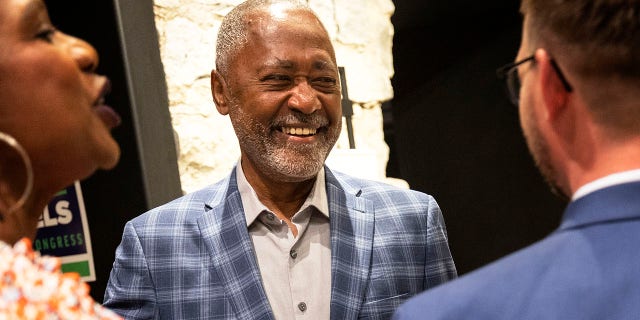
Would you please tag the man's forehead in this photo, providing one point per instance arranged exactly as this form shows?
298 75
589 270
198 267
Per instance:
281 14
288 31
279 10
318 64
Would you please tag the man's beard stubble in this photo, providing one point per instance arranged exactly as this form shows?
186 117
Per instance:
283 162
539 150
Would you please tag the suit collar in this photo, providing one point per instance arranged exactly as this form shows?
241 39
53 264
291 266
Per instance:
224 233
619 202
351 223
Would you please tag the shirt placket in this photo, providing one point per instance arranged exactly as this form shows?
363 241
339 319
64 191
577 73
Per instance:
301 292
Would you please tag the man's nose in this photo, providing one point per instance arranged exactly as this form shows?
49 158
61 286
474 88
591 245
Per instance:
304 98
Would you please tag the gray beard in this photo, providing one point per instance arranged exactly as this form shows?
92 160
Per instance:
283 162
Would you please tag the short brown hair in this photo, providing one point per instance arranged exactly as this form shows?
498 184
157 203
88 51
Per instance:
606 32
599 42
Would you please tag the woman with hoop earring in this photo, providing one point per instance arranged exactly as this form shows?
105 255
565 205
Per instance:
54 130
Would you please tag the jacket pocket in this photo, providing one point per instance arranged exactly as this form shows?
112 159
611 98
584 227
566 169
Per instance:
399 296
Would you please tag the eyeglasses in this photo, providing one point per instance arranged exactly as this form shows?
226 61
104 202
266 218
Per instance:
509 73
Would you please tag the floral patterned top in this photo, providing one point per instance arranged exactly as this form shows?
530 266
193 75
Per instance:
33 287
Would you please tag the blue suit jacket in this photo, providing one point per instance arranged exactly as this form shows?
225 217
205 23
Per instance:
587 269
193 258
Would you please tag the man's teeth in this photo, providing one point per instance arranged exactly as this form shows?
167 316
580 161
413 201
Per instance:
299 131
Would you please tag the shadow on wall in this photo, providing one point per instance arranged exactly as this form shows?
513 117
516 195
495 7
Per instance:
453 133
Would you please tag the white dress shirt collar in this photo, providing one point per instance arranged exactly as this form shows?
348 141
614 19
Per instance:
607 181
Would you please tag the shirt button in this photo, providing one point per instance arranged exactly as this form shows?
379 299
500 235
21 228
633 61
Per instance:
293 255
302 306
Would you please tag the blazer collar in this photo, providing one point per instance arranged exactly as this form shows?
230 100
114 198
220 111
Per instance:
224 233
351 224
619 202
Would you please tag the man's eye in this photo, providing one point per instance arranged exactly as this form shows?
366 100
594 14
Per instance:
276 77
328 80
325 82
46 34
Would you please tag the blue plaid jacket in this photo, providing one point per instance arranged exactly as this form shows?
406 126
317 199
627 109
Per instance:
193 258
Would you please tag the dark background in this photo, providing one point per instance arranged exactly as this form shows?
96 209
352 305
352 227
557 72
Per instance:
451 130
453 133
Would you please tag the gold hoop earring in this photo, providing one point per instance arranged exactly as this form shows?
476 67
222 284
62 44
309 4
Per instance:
8 174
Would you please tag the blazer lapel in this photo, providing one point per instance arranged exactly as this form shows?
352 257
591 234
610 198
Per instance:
351 222
225 235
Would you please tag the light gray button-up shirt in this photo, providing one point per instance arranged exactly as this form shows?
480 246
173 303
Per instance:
296 271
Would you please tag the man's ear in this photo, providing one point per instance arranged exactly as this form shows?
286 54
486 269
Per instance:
554 94
218 88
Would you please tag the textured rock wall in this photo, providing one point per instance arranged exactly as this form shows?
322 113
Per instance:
362 34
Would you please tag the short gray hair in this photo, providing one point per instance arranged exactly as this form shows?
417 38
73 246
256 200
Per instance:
233 31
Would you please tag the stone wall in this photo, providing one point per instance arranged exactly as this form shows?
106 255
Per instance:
362 35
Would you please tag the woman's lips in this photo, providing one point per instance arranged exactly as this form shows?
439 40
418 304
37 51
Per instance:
108 116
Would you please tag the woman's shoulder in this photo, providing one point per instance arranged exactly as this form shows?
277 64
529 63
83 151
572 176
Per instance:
33 286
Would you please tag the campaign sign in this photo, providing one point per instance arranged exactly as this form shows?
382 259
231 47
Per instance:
63 232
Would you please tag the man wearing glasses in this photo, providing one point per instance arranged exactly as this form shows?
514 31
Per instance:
576 82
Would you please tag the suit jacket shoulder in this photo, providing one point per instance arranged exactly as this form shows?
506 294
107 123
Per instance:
587 269
386 198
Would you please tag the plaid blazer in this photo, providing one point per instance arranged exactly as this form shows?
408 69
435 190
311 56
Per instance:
193 258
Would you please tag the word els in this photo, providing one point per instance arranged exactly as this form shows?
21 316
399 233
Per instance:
62 215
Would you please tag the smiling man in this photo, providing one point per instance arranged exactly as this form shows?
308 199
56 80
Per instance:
283 236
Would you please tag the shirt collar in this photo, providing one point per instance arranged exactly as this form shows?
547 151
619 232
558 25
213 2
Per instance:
253 207
607 181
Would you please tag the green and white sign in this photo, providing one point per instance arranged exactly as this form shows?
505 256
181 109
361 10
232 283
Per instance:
63 231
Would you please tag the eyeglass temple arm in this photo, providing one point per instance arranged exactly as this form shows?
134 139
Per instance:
564 81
